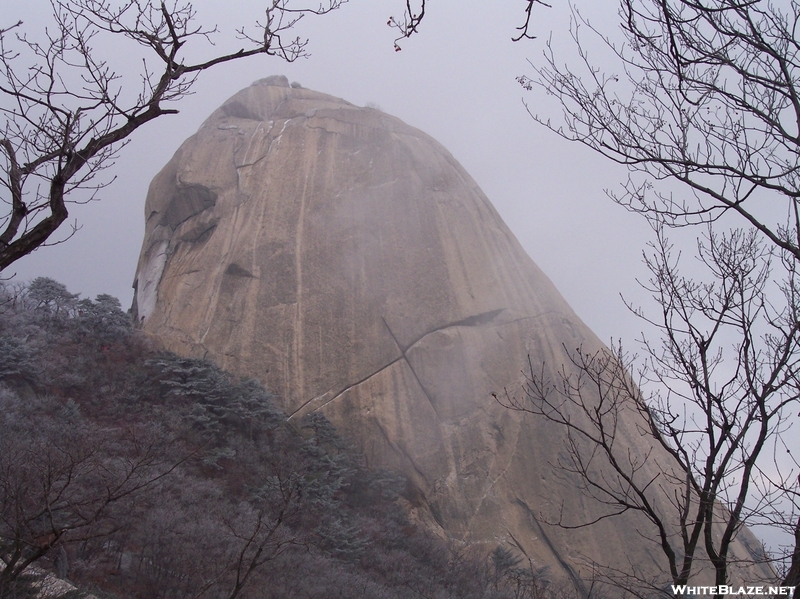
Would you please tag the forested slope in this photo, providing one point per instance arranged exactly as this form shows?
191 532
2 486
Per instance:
136 473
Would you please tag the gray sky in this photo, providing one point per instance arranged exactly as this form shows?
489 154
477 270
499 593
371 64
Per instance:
455 81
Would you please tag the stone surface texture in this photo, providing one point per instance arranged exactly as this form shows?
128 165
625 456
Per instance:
348 262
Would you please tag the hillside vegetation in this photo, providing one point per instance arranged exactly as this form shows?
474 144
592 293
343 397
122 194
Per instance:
136 473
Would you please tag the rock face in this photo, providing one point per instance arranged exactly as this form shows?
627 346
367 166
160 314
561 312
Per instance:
348 262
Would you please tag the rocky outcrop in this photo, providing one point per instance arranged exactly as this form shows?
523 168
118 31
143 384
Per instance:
348 262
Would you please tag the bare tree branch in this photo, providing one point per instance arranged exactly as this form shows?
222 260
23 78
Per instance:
725 370
705 94
409 23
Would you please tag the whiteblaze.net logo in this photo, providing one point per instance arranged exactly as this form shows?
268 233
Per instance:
682 589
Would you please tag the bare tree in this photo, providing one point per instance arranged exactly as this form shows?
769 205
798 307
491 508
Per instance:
66 111
409 23
64 481
207 545
725 374
706 96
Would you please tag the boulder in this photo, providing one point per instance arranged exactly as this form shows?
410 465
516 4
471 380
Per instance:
349 263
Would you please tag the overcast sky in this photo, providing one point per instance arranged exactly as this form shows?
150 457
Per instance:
455 81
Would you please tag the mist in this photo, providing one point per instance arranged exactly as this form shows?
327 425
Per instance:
456 82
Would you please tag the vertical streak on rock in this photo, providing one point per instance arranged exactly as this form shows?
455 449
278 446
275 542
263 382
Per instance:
306 195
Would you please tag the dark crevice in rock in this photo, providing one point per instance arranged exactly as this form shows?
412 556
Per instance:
535 316
396 342
411 368
470 321
234 270
402 454
398 452
238 110
134 309
422 387
478 319
576 579
356 384
186 202
199 235
436 513
253 163
344 390
541 572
